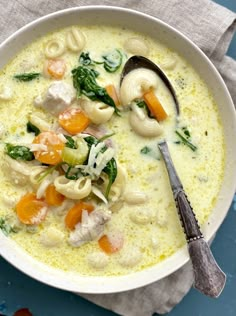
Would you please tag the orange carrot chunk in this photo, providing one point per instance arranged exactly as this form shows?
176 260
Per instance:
74 214
52 146
31 210
155 106
111 90
107 246
73 120
56 68
53 197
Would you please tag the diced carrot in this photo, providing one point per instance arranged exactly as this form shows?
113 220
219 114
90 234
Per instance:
73 120
51 154
111 90
155 106
53 197
107 246
74 214
56 68
23 312
31 210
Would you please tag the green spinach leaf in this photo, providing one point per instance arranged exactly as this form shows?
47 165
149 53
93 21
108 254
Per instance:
31 128
86 60
70 142
112 61
111 171
72 173
19 152
90 140
84 81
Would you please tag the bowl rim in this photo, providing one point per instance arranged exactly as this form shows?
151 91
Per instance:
136 279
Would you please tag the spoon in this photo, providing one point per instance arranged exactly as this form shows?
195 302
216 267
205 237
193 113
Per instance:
208 277
136 62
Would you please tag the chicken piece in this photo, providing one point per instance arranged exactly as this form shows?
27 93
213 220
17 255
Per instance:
58 97
90 228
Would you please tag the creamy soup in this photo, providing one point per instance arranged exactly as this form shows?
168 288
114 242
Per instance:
83 184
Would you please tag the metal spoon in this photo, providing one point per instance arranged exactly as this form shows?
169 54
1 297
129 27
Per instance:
208 277
136 62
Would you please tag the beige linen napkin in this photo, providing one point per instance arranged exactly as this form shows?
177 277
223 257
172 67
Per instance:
211 27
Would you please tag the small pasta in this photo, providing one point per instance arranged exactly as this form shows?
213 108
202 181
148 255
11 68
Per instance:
141 215
73 189
136 83
9 200
130 257
135 197
98 112
98 260
35 174
75 40
116 206
17 171
39 120
51 237
118 186
136 46
143 125
54 48
169 63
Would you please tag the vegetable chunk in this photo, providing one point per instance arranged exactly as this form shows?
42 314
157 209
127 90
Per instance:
50 148
31 210
73 120
74 215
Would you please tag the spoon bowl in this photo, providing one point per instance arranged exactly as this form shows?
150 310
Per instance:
136 62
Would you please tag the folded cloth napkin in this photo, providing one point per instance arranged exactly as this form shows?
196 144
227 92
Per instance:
211 27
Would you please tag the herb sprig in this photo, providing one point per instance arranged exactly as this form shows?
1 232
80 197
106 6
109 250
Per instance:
27 76
5 227
185 138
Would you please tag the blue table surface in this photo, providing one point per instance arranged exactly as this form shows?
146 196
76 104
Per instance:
18 290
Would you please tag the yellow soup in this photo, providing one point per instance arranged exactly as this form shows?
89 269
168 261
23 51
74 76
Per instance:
83 185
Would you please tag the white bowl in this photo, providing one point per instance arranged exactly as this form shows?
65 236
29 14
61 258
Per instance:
156 29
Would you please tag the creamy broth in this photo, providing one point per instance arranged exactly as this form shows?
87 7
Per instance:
143 223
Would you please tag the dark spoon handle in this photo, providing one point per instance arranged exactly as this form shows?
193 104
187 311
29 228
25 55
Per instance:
208 277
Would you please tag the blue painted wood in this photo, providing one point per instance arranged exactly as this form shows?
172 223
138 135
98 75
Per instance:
18 290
